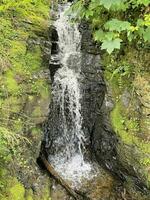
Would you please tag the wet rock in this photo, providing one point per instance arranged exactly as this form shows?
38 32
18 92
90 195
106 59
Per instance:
59 193
103 142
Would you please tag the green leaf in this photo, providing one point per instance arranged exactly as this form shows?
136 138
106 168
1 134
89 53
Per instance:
144 2
94 4
89 13
117 25
109 3
146 35
110 45
110 35
140 22
130 36
141 31
99 35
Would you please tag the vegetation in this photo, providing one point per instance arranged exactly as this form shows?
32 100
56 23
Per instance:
23 30
121 29
116 22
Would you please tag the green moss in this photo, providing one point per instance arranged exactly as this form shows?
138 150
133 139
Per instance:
46 193
29 198
9 109
127 121
11 84
41 88
33 59
3 183
17 125
22 25
17 50
118 124
17 192
37 112
14 190
36 131
29 194
12 104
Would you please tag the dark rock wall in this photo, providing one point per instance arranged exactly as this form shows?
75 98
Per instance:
102 139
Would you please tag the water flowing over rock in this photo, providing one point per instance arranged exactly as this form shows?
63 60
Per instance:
65 135
78 134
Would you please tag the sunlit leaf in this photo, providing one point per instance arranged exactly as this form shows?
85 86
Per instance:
117 25
110 45
146 34
108 3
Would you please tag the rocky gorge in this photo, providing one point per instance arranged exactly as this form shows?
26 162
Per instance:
106 129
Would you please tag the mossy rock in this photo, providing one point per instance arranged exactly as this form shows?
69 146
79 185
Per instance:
21 65
129 116
15 190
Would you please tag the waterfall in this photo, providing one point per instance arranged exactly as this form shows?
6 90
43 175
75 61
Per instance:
66 87
68 143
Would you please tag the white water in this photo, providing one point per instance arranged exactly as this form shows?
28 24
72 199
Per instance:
67 96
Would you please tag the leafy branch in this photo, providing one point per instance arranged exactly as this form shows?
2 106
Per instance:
115 21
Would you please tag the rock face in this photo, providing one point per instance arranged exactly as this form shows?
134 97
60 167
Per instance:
92 88
97 106
24 98
103 142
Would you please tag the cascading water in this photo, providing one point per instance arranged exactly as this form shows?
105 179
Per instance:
66 88
68 158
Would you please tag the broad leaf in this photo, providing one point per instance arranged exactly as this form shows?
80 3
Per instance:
146 34
144 2
110 45
94 4
109 3
117 25
99 35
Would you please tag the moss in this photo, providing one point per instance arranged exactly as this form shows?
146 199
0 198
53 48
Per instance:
41 87
17 125
17 192
11 84
37 112
23 25
12 104
46 193
118 124
128 122
29 198
3 183
29 195
17 49
33 60
36 131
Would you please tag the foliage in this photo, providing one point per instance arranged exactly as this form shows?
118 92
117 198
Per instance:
25 8
9 142
116 22
23 27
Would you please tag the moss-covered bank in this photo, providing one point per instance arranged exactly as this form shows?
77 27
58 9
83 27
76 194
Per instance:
24 97
128 84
